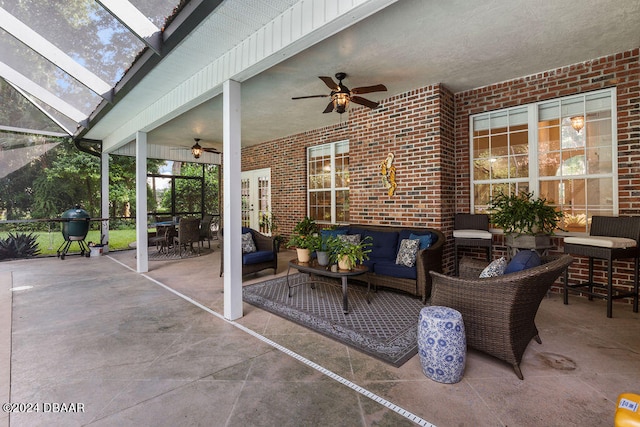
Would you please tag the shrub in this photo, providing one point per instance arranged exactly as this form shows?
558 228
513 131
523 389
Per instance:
19 245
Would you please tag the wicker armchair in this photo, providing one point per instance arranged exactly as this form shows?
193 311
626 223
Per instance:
264 244
498 312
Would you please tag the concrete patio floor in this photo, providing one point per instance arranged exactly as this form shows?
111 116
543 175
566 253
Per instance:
132 352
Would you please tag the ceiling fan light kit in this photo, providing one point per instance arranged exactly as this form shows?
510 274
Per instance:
197 149
341 96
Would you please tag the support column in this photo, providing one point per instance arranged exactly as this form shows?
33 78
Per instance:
232 222
104 209
141 203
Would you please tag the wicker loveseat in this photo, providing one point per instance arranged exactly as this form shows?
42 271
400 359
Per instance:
383 270
498 312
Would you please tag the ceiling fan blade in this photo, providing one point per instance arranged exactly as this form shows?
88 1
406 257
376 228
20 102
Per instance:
329 108
309 96
369 89
365 102
210 150
329 82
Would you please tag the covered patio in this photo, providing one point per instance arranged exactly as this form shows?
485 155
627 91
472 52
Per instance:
223 74
140 342
155 349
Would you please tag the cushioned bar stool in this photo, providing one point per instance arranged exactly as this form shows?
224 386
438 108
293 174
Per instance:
471 230
610 238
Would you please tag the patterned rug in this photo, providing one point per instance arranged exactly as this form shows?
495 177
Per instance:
386 328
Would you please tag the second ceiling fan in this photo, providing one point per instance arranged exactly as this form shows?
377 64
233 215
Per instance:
342 95
197 149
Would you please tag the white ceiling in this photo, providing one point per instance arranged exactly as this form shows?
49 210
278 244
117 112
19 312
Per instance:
414 43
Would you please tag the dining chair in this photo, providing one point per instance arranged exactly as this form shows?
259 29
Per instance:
188 234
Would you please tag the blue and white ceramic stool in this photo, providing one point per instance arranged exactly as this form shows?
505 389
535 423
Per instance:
442 344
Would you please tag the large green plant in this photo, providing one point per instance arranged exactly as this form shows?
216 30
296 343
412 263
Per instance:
524 214
356 253
19 245
305 235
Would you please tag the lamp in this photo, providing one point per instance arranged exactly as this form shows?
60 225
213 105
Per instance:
341 102
196 150
577 122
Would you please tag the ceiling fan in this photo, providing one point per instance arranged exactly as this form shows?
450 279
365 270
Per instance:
342 95
197 150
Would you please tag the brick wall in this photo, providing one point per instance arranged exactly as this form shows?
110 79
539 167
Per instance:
622 71
417 127
427 129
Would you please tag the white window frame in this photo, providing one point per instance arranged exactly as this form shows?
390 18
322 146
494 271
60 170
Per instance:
532 119
333 189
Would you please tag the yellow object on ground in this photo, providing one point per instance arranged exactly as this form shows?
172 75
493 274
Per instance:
628 410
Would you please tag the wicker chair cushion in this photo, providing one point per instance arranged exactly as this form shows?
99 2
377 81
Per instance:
257 257
407 253
522 261
496 268
248 245
602 241
472 234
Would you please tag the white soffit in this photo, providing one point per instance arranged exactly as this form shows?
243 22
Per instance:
169 153
210 55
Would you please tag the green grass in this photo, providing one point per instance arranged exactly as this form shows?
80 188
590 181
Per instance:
49 242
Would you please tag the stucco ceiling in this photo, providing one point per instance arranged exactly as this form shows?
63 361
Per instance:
415 43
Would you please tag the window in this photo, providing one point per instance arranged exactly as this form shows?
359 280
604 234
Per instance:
328 186
564 150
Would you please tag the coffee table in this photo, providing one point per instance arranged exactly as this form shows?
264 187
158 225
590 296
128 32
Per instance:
313 268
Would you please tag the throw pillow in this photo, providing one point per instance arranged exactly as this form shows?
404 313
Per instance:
350 238
407 252
327 234
496 268
522 261
425 240
248 245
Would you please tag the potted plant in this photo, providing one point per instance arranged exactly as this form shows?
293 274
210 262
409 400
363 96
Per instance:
305 239
348 254
527 222
268 224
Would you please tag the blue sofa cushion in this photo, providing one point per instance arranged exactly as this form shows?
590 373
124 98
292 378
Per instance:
390 268
522 261
257 257
383 244
425 239
327 234
356 230
406 234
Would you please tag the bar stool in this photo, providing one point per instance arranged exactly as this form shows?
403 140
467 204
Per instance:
610 238
471 230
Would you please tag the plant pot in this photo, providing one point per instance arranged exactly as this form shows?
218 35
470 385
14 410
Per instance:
304 255
344 263
526 241
323 257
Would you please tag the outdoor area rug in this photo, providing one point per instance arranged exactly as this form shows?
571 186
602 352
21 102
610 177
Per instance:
385 329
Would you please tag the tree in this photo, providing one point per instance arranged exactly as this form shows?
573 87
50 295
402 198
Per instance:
188 191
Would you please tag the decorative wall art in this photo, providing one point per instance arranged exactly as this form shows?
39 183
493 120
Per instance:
388 172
